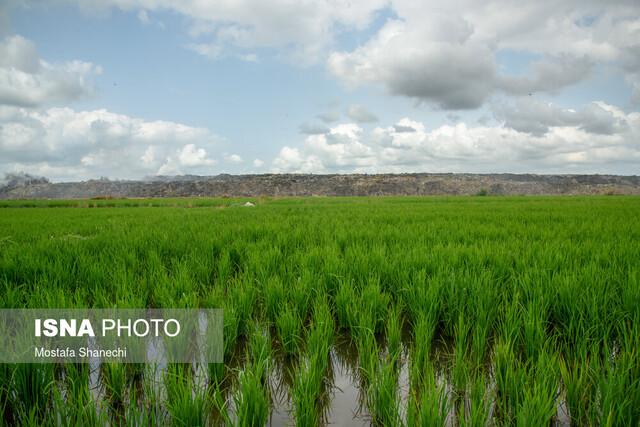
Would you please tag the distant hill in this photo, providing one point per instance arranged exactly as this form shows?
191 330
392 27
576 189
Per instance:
303 185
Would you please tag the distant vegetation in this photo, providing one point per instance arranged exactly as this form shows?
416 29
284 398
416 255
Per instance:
509 310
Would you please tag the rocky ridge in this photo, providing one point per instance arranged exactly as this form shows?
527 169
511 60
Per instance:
308 185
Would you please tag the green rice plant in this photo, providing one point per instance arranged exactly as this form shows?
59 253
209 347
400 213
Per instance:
421 297
510 322
460 367
382 394
300 296
242 297
274 297
428 405
218 406
324 321
578 384
480 401
345 296
307 393
503 361
251 400
114 380
367 354
423 332
230 331
136 413
318 346
186 401
32 390
6 390
134 373
481 329
216 373
534 327
152 395
619 390
540 398
261 354
394 331
76 407
375 301
289 327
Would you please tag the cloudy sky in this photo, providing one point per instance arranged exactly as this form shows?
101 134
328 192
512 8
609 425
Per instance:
132 88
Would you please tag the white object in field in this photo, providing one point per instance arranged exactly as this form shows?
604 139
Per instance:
249 204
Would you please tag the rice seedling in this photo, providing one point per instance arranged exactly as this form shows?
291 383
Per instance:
423 332
577 381
382 394
289 327
230 331
344 305
76 407
32 390
186 400
300 297
274 296
114 380
537 404
479 403
307 393
394 331
251 400
261 356
6 386
428 405
375 302
460 369
320 338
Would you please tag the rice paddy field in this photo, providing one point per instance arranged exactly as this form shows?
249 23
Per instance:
369 311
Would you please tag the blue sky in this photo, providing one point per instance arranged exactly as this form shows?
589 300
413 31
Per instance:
133 88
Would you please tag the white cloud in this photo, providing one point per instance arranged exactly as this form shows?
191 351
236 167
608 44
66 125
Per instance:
233 159
443 52
257 163
538 118
427 62
598 138
339 149
360 114
143 17
313 129
63 144
301 29
27 80
329 117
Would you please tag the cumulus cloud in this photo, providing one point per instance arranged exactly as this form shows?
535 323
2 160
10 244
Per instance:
232 159
551 75
301 29
340 149
257 163
537 118
329 117
313 129
432 61
28 81
579 141
444 53
360 114
63 144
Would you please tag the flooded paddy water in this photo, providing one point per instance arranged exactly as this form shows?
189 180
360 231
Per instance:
344 401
